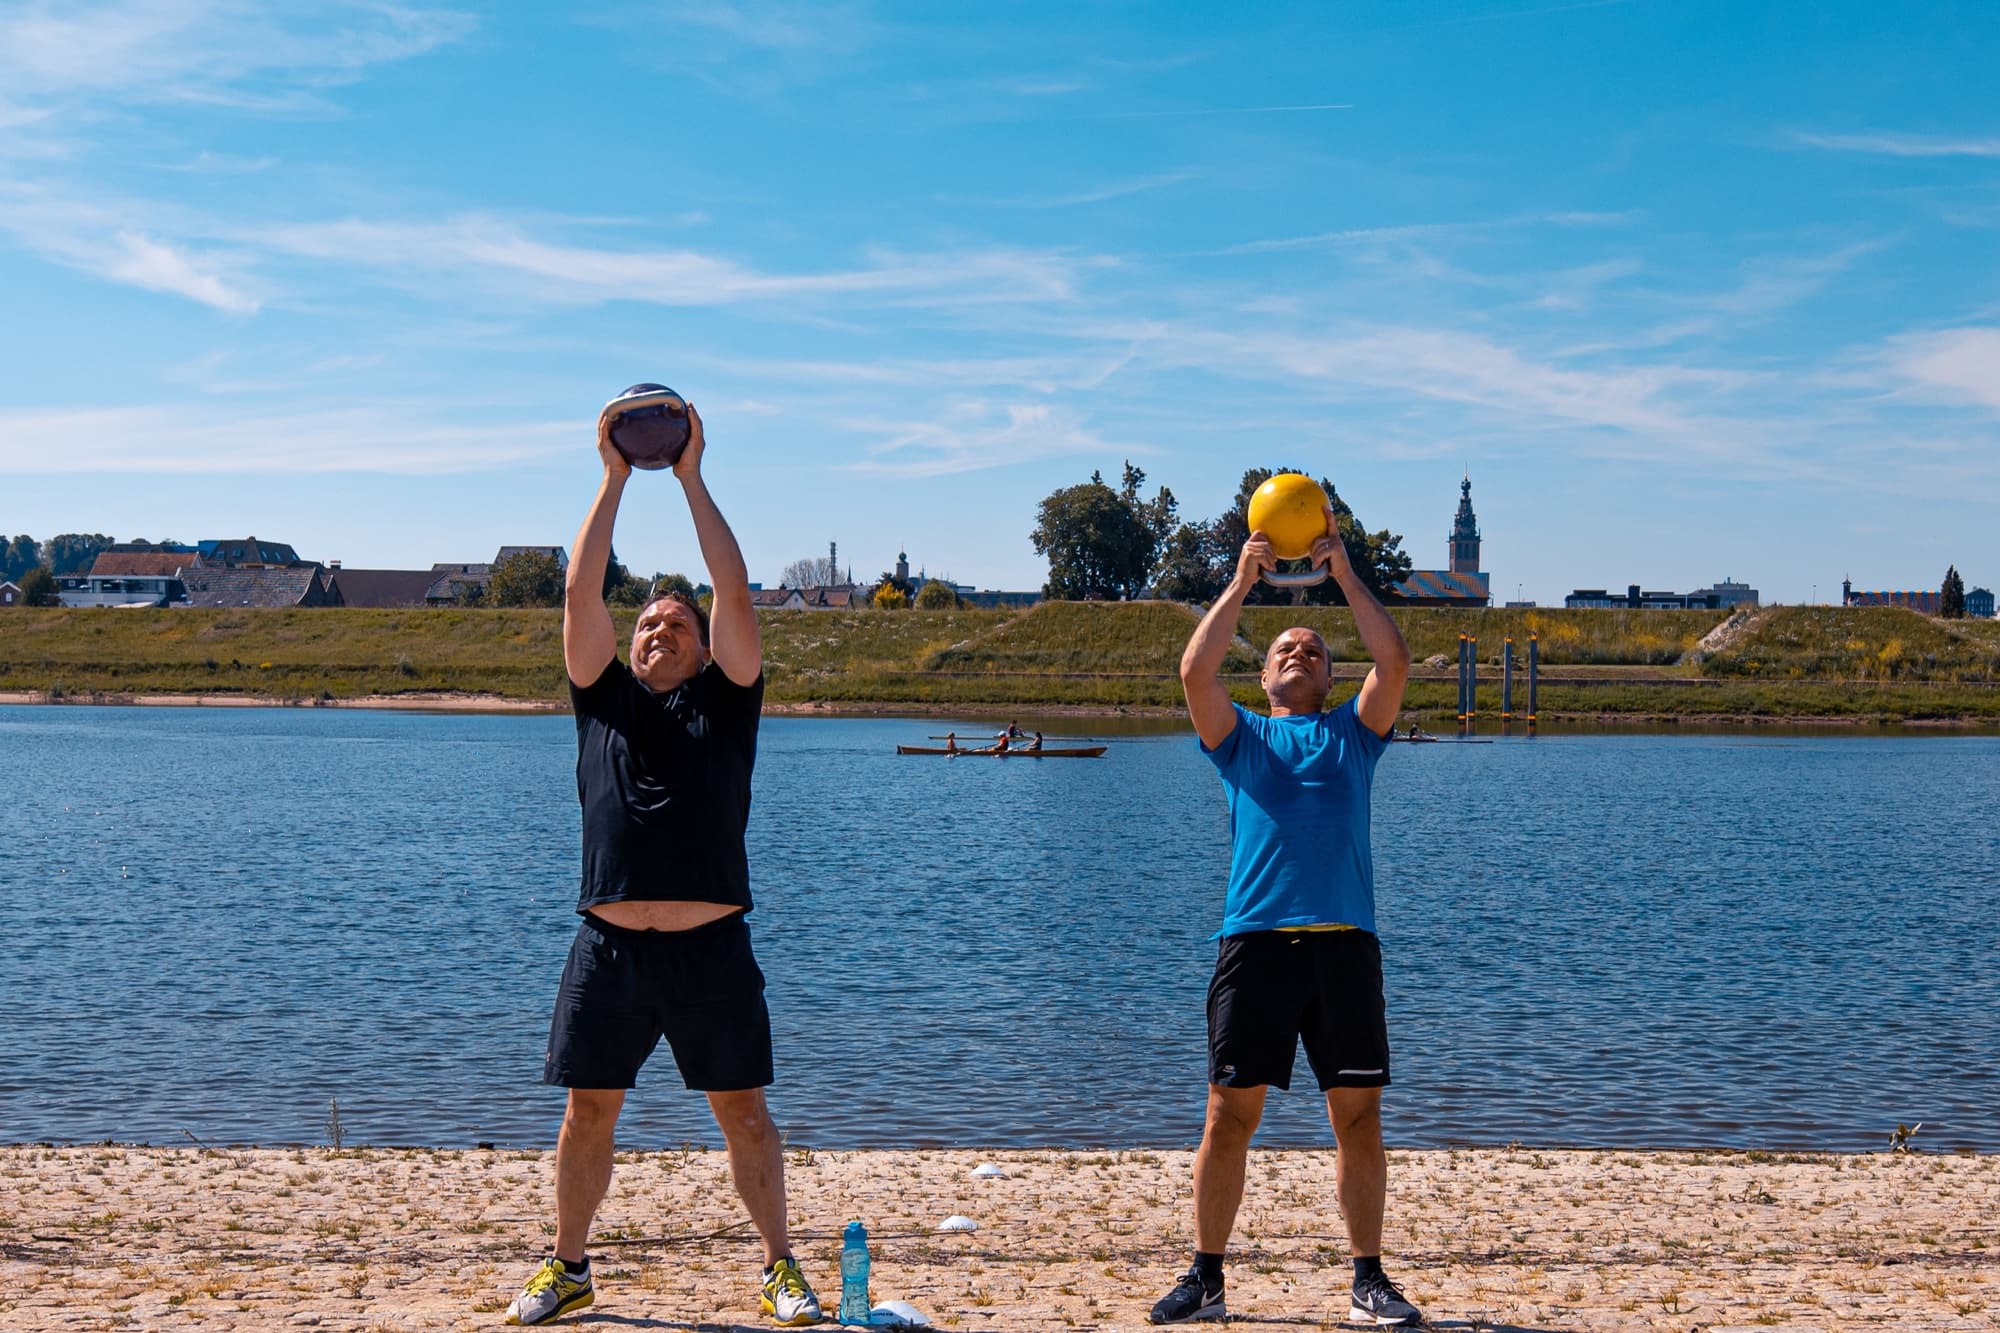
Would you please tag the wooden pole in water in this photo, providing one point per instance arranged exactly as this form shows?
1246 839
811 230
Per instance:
1461 684
1507 683
1472 685
1534 666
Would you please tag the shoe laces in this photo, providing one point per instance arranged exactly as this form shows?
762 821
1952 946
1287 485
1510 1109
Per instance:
1381 1285
546 1276
786 1276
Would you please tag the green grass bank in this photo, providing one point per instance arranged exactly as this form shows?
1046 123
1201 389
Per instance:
1859 665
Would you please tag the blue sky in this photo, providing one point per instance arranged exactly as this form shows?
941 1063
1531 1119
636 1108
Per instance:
1691 288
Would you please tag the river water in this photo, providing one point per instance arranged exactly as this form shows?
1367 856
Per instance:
219 921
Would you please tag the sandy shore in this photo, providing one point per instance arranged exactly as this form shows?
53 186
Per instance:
380 1239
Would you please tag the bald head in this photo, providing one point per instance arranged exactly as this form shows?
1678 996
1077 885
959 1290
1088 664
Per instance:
1297 673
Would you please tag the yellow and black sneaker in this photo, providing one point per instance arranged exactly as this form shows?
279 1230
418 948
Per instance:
550 1294
788 1298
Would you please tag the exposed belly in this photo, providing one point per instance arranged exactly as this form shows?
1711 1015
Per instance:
661 916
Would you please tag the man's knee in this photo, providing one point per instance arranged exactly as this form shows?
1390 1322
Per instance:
743 1117
592 1112
1356 1114
1231 1121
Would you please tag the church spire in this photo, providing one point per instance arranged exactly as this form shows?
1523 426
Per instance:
1465 531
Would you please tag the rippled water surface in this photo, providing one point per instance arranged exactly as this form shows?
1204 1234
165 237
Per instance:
219 920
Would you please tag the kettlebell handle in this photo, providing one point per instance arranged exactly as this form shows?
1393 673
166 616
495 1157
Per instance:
1305 578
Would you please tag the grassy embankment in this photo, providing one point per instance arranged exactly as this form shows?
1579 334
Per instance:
1863 664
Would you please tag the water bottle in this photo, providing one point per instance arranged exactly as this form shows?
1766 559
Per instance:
854 1302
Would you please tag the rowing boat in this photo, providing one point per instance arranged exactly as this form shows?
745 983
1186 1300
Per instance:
1047 752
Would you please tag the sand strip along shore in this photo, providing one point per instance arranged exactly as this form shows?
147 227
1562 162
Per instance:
1499 1239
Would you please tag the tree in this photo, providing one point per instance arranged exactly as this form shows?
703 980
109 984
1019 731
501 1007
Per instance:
889 597
1951 602
1193 566
38 587
662 584
817 572
622 587
937 595
74 552
526 578
1100 542
19 556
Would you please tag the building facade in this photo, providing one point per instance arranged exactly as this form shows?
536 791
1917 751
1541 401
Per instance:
1926 603
1722 596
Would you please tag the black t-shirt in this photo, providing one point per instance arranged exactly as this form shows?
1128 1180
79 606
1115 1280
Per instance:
665 784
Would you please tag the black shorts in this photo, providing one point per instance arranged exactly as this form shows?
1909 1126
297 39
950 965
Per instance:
1272 987
622 990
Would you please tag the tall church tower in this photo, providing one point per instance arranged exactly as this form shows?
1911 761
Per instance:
1465 532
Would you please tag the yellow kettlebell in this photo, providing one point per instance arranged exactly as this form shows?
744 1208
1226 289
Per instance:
1290 509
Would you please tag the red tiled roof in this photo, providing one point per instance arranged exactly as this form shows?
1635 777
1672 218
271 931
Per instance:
1440 584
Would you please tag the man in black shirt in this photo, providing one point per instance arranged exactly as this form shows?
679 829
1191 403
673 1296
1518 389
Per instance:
665 747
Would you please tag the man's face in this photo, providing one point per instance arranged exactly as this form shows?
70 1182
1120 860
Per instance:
666 645
1297 670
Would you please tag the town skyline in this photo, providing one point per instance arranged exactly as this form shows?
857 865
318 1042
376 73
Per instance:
1692 292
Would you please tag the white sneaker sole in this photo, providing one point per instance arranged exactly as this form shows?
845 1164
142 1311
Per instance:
1357 1315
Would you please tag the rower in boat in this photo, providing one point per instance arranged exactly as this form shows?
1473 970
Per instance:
951 742
1035 746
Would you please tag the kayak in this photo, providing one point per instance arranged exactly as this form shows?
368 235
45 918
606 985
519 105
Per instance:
1046 752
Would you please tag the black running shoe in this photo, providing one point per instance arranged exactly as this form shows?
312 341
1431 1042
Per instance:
1191 1300
1377 1301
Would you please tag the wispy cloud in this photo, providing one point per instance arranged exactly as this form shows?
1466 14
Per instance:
1226 111
212 260
411 438
1957 365
206 163
219 52
976 437
1119 189
140 260
1894 144
1417 231
98 239
575 274
774 25
1045 86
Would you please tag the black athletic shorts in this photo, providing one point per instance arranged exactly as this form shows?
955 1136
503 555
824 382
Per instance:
622 990
1272 987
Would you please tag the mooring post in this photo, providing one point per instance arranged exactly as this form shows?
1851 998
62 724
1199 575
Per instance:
1534 667
1472 685
1461 683
1507 683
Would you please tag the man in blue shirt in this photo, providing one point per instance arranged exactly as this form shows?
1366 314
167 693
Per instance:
1298 957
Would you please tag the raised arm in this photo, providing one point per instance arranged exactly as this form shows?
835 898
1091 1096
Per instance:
733 640
1382 693
1208 700
589 639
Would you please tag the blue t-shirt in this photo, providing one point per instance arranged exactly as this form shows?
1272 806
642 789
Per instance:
1298 819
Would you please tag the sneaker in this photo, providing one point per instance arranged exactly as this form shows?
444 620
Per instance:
550 1294
788 1298
1377 1301
1189 1301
